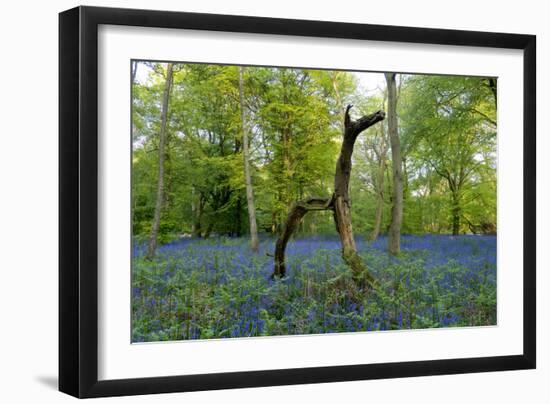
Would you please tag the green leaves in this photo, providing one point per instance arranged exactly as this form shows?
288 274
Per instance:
449 129
295 116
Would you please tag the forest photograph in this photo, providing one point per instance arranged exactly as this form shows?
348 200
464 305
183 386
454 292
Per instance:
276 201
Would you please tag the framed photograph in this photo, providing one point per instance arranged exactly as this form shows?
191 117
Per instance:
250 201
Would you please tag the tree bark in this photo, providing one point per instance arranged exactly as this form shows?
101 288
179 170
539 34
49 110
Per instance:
493 87
339 203
380 186
297 212
134 71
379 202
193 211
247 176
341 200
199 208
456 213
455 186
151 249
394 239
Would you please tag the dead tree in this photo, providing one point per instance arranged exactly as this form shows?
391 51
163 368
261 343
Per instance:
339 203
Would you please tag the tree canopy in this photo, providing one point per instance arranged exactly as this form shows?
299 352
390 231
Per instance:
446 126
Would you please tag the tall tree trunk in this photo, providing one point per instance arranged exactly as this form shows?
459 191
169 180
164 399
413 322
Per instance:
405 179
236 231
197 219
247 176
151 249
134 67
193 211
339 103
394 240
456 212
379 184
493 87
208 230
339 203
379 200
381 155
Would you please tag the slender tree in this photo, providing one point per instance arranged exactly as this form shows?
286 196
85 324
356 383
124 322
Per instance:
134 67
375 150
394 239
151 249
380 153
247 175
492 83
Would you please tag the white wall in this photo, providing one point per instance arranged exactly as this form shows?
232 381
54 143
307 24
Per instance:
28 201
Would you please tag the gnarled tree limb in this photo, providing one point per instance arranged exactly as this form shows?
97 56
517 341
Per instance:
297 212
339 203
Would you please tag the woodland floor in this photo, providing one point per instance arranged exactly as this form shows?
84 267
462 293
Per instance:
216 288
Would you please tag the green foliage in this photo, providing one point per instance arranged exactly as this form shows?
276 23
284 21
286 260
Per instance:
211 286
447 127
217 288
449 131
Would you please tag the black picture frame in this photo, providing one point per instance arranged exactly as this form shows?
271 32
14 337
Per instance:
78 201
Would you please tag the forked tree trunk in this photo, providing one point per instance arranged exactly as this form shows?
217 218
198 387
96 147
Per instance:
341 200
297 212
151 248
339 203
247 175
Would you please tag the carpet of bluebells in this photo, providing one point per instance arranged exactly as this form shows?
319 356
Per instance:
216 288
